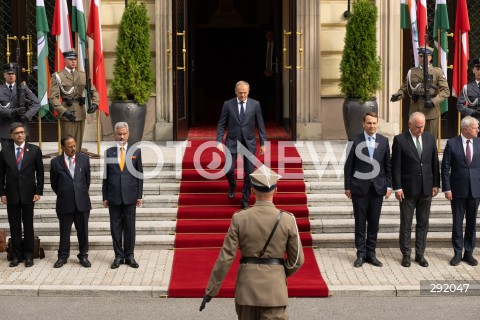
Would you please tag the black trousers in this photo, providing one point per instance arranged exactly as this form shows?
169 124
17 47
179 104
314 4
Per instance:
122 227
421 206
248 167
366 210
468 208
80 220
18 214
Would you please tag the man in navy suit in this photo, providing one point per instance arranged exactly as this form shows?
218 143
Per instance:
239 116
468 103
70 179
460 182
122 192
367 180
21 185
416 179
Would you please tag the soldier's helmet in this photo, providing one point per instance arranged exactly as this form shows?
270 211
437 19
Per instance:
421 50
70 54
9 67
264 179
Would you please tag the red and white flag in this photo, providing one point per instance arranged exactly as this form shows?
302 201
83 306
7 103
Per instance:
61 29
94 31
422 21
460 63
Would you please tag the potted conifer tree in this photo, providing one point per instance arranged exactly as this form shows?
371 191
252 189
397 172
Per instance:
360 67
132 71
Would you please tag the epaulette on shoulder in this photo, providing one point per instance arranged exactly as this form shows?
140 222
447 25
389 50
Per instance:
289 213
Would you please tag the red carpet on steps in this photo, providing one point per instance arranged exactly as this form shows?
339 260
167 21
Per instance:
204 214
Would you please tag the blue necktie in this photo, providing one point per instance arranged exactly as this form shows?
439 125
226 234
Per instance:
71 167
371 146
19 157
242 111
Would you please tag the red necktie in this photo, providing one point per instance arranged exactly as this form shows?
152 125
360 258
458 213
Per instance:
468 153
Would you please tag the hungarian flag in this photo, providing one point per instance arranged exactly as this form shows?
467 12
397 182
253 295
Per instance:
78 26
422 21
94 31
408 20
440 28
460 63
42 57
61 29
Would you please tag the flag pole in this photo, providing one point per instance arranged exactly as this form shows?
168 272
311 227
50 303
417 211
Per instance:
439 63
59 131
459 72
40 130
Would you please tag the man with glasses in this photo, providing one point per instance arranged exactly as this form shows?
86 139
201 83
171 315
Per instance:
21 185
467 103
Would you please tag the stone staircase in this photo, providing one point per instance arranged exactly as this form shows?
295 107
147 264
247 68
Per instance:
331 211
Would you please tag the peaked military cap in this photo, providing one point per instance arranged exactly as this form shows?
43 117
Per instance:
264 179
70 54
476 62
421 50
9 67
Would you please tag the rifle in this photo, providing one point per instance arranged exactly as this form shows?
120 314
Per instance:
427 79
88 85
20 91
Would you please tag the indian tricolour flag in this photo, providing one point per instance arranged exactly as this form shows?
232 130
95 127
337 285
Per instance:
42 57
408 20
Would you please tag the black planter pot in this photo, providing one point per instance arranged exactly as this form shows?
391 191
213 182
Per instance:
353 113
131 113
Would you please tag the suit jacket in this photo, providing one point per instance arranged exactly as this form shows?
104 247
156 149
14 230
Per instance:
122 187
456 175
259 285
68 81
72 193
9 102
415 176
21 185
230 118
359 169
472 92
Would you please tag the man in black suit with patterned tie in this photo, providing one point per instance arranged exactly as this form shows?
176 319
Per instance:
416 179
122 192
240 115
460 183
21 185
367 180
70 180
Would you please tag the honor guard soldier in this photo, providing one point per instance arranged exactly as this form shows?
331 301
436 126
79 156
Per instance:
264 234
414 86
67 97
467 103
10 110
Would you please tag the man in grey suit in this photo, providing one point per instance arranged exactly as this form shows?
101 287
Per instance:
239 116
367 175
468 103
122 192
460 182
70 180
416 179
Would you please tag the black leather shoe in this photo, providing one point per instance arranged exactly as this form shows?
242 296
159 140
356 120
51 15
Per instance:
116 263
244 205
359 262
60 263
421 261
456 260
374 261
28 263
132 263
406 261
14 262
85 263
231 194
470 260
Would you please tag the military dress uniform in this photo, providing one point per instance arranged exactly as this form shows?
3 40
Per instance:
261 287
468 103
9 106
413 86
69 86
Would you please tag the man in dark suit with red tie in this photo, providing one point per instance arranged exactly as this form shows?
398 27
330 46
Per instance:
460 183
416 179
70 179
122 192
21 185
367 180
240 115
